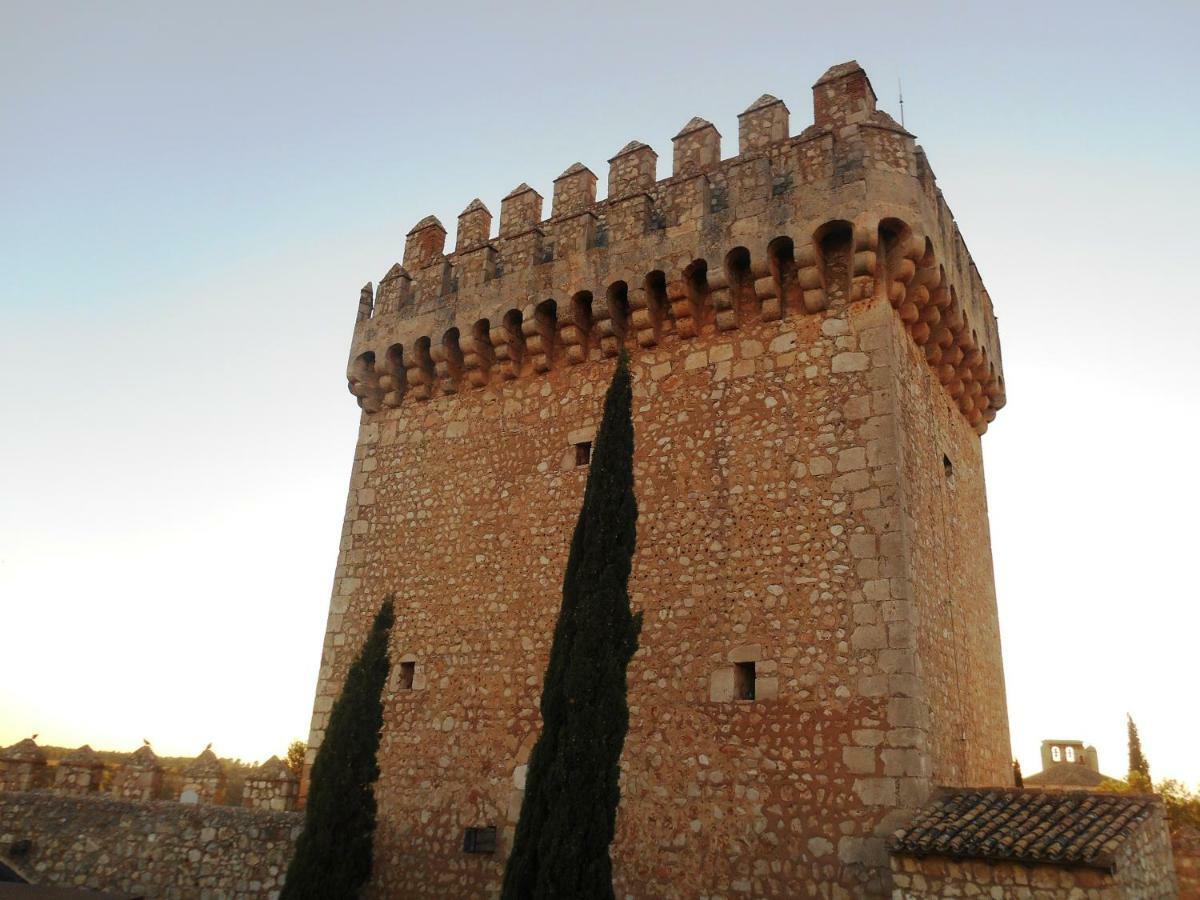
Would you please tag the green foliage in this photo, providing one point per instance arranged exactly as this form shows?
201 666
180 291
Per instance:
295 756
1137 761
333 854
572 791
1182 804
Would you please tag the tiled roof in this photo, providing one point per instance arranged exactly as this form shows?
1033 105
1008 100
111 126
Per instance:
1069 827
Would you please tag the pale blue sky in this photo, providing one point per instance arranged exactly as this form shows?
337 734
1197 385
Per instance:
191 196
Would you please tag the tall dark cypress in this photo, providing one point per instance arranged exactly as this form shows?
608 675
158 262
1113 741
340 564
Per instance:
572 792
1137 761
333 854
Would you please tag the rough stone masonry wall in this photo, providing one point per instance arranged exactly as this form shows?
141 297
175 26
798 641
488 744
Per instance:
768 520
955 629
773 304
160 849
937 876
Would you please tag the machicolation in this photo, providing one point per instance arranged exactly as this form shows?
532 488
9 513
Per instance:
769 233
814 358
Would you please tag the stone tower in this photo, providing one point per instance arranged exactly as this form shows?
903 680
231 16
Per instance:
815 359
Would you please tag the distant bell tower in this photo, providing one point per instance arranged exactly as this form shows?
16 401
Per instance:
814 358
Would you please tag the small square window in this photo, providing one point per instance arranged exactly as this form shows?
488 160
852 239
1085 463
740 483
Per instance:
407 671
743 680
480 840
583 453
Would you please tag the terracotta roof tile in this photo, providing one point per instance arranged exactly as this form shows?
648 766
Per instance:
1070 827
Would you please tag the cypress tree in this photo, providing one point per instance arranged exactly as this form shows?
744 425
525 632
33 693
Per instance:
571 795
1139 769
1018 778
334 851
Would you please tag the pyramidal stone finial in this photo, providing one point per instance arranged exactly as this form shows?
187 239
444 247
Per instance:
475 205
518 190
396 271
426 223
631 147
574 169
694 124
761 103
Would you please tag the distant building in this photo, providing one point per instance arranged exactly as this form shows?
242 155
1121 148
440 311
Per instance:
1068 764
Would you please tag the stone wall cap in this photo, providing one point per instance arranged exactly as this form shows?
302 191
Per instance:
518 190
274 769
427 222
143 758
880 119
631 147
204 765
23 751
762 103
396 271
83 756
841 70
575 169
475 205
695 124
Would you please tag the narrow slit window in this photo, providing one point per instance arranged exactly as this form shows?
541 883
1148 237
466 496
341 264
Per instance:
407 671
583 453
947 467
743 680
479 840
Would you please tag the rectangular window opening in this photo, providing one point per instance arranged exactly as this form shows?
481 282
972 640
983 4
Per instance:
407 671
480 840
743 680
583 453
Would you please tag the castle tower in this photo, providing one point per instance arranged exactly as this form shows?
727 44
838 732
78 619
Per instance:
815 359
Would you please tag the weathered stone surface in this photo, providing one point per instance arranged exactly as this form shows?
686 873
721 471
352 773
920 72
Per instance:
808 341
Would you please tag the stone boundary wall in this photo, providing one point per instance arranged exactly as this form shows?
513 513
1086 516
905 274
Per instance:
161 849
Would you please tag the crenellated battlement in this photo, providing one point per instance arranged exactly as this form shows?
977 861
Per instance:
847 211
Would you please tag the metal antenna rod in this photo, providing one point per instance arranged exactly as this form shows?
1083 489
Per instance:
900 86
